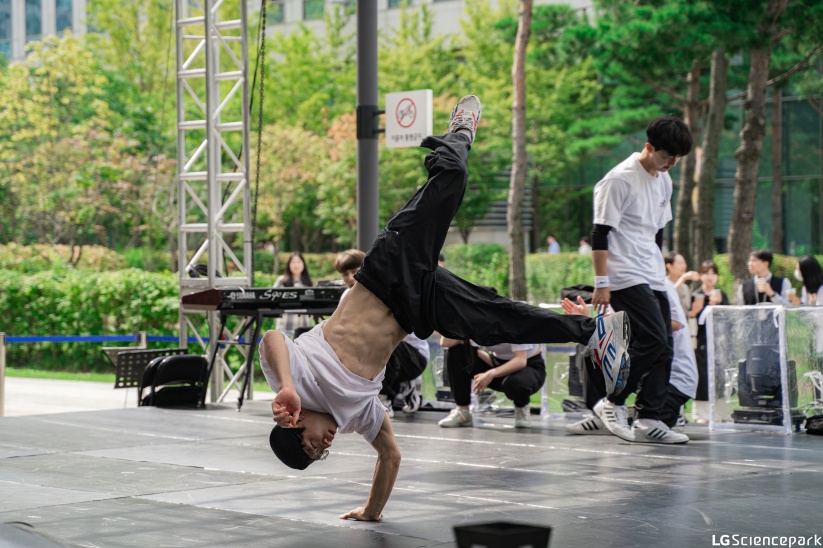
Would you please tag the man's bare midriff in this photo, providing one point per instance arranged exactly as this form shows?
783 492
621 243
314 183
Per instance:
363 332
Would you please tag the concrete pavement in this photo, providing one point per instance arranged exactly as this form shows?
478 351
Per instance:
25 396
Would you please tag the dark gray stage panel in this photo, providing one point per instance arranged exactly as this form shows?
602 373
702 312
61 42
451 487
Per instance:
160 477
145 523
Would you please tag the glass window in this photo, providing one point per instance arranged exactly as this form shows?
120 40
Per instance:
313 9
274 12
801 138
34 22
803 224
5 28
62 10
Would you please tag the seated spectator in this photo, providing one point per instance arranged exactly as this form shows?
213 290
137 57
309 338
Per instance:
809 272
296 274
404 371
762 287
677 275
706 295
517 370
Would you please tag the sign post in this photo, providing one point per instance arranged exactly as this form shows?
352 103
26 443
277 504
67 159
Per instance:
408 118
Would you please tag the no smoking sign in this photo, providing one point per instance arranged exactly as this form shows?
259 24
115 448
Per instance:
408 118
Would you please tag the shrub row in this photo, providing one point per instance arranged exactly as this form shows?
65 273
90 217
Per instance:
40 257
77 302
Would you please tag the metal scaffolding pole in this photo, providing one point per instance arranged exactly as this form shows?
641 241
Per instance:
213 191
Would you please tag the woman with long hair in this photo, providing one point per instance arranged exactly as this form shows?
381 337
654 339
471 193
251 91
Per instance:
705 295
296 274
810 273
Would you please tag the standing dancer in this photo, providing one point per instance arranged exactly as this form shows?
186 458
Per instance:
632 204
329 378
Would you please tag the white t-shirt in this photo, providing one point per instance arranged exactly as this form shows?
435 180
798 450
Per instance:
636 206
684 365
804 296
324 384
505 351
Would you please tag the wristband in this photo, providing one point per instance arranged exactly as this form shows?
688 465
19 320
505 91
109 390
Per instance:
601 281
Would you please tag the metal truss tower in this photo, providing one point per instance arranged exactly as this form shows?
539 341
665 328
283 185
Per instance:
213 191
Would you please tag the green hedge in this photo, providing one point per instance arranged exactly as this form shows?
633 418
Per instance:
82 303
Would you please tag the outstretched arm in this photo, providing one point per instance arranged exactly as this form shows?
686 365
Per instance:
385 474
286 405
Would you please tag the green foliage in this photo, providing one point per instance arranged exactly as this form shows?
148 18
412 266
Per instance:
481 264
83 303
547 274
39 257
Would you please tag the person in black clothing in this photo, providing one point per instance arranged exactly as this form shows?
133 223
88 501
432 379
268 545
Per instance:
763 287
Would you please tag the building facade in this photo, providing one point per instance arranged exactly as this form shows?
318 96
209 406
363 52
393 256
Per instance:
24 21
286 15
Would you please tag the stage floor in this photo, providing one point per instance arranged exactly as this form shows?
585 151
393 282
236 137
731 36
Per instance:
160 477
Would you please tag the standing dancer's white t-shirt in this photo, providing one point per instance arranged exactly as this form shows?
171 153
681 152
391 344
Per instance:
636 206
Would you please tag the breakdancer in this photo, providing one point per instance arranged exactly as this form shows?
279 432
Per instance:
328 379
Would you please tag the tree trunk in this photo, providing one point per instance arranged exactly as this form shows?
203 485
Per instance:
777 172
685 212
748 163
517 183
704 233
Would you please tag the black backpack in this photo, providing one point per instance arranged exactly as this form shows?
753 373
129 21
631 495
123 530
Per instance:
173 381
582 290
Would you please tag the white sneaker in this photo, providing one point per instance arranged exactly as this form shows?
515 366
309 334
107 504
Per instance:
609 349
654 431
387 404
522 418
466 115
456 419
615 418
588 425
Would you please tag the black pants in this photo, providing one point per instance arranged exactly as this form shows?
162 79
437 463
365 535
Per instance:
463 364
405 364
401 269
650 348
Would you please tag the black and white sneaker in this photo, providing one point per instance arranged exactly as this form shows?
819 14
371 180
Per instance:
654 431
591 425
414 397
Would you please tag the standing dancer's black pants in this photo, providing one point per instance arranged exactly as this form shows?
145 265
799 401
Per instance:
650 348
401 269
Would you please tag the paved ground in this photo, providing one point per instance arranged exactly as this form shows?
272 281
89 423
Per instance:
43 396
206 477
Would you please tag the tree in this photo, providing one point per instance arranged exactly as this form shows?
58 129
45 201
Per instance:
773 22
514 210
652 54
704 226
